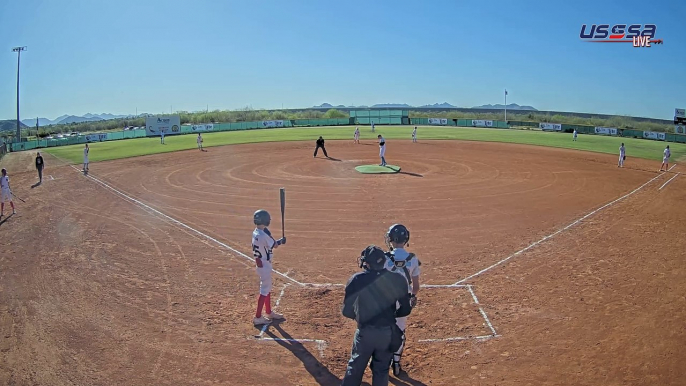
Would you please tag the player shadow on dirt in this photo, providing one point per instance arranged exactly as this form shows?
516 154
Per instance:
331 159
405 380
36 185
410 174
322 375
5 218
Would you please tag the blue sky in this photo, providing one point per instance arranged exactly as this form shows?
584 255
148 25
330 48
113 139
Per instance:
115 56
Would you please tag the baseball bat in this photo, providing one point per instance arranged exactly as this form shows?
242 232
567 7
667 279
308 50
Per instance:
282 193
15 196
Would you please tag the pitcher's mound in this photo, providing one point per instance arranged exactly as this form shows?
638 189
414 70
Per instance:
376 169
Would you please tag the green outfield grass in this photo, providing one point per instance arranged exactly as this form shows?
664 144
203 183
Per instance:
102 151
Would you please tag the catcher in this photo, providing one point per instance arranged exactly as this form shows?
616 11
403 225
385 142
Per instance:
406 264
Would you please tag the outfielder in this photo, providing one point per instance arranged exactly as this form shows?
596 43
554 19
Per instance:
372 126
414 134
665 159
574 135
262 245
357 135
86 150
406 264
199 140
382 150
622 156
5 192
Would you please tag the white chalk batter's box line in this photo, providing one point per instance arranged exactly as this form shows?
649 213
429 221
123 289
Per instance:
320 285
321 343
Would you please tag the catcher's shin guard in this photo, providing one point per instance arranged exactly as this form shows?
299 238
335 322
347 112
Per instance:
395 365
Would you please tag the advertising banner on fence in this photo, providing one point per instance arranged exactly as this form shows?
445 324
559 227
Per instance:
480 122
271 124
654 135
550 126
679 113
606 130
205 127
96 137
438 121
680 129
170 124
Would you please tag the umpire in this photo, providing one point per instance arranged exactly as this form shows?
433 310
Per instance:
39 166
371 298
320 143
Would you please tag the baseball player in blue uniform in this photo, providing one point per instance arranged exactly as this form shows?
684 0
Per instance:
407 265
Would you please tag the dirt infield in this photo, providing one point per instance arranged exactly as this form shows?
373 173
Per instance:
97 289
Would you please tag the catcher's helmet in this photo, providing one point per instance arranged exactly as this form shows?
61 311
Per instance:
374 257
397 233
262 217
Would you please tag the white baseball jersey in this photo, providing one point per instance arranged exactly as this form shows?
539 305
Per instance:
199 139
85 154
357 131
262 245
575 132
667 154
5 183
622 151
414 132
412 265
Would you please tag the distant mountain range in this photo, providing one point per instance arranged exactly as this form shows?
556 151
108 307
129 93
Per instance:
10 125
511 106
66 119
444 105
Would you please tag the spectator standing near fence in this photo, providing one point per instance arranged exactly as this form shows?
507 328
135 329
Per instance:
40 165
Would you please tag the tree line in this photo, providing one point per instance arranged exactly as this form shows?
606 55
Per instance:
248 114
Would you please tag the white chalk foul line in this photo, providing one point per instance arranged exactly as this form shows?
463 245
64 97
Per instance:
532 245
668 181
146 206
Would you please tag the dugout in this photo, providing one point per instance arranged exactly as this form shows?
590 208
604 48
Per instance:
380 117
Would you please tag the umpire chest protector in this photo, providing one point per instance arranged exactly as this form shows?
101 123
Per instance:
402 264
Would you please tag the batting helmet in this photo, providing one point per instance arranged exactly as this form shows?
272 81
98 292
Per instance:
397 233
374 257
262 217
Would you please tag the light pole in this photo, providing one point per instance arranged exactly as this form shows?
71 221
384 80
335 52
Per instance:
18 50
505 106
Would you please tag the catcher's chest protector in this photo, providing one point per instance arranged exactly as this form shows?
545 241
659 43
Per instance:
402 264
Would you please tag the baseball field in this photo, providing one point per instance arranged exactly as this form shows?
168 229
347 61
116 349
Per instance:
542 261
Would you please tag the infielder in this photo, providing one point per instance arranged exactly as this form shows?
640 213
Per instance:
622 156
262 245
382 150
665 159
199 140
406 264
357 135
86 150
414 134
5 192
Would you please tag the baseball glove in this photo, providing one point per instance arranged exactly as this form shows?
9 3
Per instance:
624 158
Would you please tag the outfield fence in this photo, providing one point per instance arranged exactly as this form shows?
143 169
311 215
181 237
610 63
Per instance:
380 117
